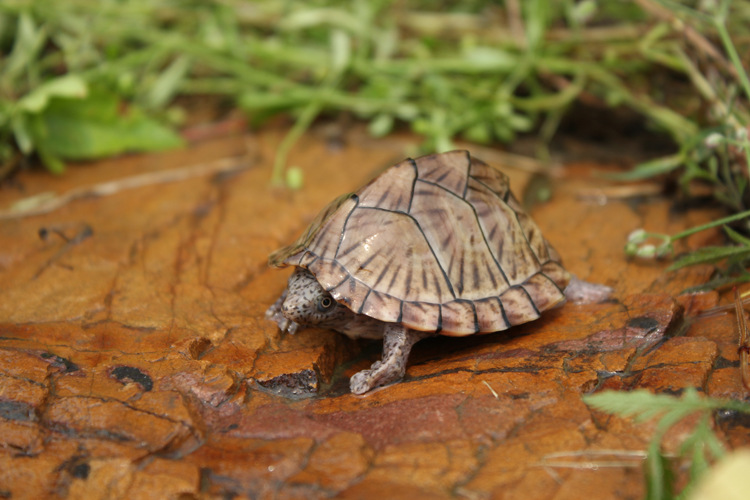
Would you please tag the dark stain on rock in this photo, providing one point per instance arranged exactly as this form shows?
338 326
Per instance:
302 384
729 419
77 466
520 395
722 362
128 374
675 392
643 323
81 471
66 365
16 410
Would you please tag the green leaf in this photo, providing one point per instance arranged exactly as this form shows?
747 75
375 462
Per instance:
52 161
341 48
536 12
713 223
640 403
78 129
737 237
489 58
707 255
644 405
65 86
659 477
22 133
29 41
479 132
381 125
168 82
651 168
583 11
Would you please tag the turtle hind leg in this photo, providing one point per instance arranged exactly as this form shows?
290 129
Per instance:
397 343
583 292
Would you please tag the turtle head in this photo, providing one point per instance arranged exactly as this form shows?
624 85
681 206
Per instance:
307 303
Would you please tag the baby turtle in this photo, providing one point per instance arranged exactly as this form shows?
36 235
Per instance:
434 245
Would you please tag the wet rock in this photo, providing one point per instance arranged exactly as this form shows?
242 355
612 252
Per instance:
137 363
89 417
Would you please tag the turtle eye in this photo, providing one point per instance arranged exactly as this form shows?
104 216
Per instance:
325 304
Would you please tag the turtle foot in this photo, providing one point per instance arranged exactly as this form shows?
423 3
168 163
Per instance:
397 343
583 292
379 374
275 314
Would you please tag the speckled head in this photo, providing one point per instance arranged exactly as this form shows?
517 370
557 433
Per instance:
307 303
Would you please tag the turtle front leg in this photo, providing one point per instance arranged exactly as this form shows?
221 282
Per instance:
275 314
397 343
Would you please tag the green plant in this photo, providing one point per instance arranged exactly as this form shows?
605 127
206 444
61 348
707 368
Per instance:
62 115
702 447
706 155
647 245
479 70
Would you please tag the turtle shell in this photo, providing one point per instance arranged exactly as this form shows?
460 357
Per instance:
437 243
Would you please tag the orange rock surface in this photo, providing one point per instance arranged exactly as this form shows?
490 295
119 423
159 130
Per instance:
135 361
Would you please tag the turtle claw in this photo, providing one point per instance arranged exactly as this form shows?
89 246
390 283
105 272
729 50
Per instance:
379 374
274 313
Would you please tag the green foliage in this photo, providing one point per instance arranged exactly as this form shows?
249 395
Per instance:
701 446
65 116
476 70
735 257
718 155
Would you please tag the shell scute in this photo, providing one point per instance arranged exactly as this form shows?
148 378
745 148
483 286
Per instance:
427 315
555 272
492 179
518 306
491 315
544 291
505 235
460 318
392 190
306 259
451 228
448 170
380 305
351 292
531 231
317 238
330 274
387 252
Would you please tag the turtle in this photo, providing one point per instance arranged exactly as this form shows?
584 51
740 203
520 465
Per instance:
436 245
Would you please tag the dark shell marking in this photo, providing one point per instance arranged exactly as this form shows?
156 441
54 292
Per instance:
437 244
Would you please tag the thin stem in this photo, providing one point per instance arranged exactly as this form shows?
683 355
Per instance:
733 55
709 225
300 126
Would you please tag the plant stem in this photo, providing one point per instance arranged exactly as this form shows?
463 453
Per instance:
709 225
726 40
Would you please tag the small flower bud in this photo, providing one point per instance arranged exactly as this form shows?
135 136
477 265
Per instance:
646 251
631 249
741 134
714 139
637 236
